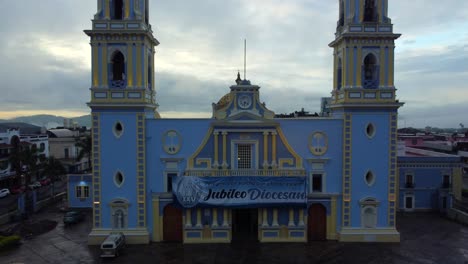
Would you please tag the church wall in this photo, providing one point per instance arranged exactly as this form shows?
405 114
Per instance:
118 154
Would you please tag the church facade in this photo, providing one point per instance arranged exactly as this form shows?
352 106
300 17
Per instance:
244 174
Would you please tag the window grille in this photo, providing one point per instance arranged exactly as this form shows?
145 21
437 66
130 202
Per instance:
244 156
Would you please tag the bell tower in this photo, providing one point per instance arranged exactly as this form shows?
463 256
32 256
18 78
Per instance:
122 98
364 53
364 96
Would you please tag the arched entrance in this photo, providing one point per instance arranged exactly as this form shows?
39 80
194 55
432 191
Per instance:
317 223
172 224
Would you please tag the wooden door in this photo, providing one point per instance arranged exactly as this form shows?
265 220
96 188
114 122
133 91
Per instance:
317 223
172 224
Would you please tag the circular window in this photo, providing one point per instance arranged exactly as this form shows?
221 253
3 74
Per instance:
370 178
119 179
118 129
370 130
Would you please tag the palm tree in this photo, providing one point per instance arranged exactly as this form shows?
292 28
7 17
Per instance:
84 145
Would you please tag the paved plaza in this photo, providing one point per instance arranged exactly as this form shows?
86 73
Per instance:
425 238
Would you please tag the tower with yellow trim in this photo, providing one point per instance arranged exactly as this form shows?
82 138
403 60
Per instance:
364 96
122 97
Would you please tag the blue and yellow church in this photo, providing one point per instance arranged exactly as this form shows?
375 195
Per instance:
244 174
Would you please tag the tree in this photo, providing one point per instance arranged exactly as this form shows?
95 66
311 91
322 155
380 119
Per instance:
24 160
84 145
53 168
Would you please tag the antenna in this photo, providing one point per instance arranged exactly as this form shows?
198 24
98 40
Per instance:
245 58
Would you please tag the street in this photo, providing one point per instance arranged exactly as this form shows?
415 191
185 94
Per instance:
425 238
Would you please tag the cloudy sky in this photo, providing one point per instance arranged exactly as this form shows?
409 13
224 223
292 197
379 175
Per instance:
45 56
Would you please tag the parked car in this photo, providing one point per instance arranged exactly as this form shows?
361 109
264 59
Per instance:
4 193
34 185
44 181
113 245
73 217
17 189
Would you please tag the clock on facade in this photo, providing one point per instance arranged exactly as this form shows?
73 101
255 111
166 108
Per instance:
244 101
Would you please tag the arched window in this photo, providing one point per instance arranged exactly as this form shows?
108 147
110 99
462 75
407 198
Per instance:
341 20
118 66
370 14
339 73
117 12
370 72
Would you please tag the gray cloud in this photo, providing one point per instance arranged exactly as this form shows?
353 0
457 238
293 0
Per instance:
202 49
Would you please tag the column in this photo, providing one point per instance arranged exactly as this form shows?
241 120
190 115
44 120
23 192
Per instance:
106 9
225 218
275 217
273 149
265 217
359 67
130 66
95 65
127 9
199 213
291 217
138 65
188 218
391 60
301 217
105 65
214 223
216 148
382 67
225 163
265 150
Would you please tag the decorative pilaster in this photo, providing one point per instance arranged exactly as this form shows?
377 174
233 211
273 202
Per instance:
188 218
225 218
274 164
225 164
301 217
291 217
275 217
265 150
265 217
214 223
199 213
216 149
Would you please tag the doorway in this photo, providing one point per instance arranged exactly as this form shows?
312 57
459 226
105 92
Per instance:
244 225
172 224
409 203
317 223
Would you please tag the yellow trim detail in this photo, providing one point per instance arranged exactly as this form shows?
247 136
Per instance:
361 10
200 161
200 148
107 9
382 65
130 64
359 66
391 69
138 62
265 148
289 148
283 161
105 64
127 9
224 150
216 148
95 51
379 11
157 236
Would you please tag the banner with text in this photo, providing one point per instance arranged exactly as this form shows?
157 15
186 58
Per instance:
242 191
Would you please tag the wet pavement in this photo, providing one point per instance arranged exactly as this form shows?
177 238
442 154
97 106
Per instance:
425 238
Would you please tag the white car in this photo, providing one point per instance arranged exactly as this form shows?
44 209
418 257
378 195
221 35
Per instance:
4 193
34 185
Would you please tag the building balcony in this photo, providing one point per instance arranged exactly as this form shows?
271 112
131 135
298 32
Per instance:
273 173
367 27
409 185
